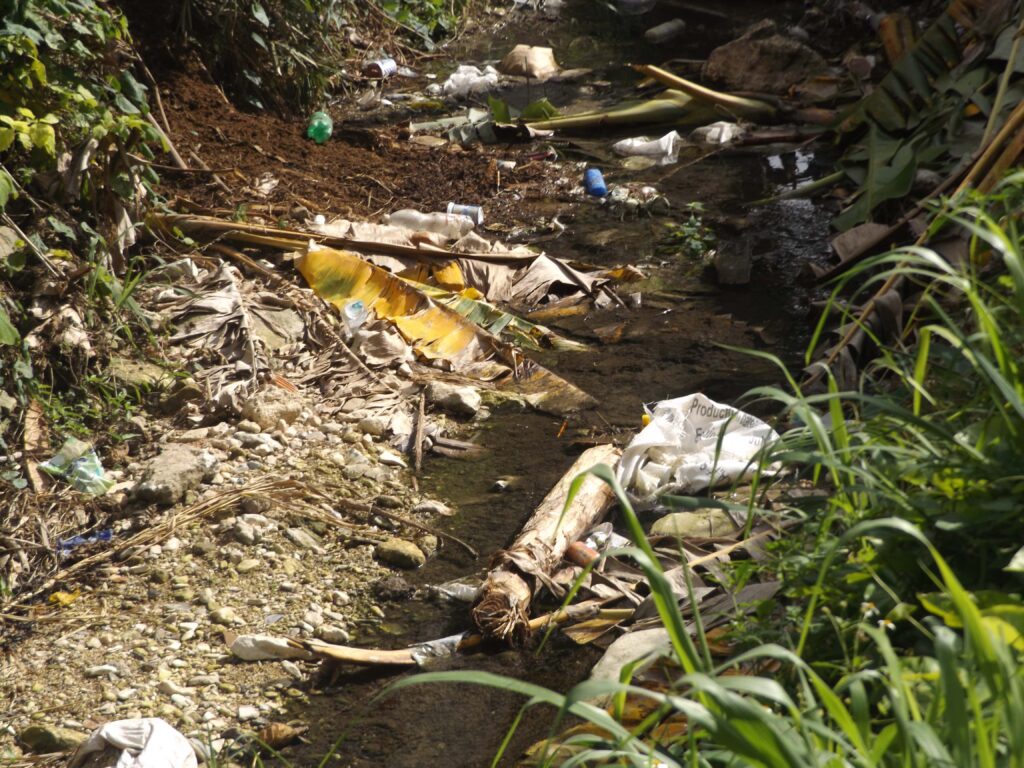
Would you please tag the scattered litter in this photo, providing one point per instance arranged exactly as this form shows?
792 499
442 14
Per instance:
436 649
468 80
380 69
354 314
593 182
692 443
529 61
147 743
665 149
66 545
506 165
320 127
78 463
717 133
474 212
461 591
451 225
264 647
665 32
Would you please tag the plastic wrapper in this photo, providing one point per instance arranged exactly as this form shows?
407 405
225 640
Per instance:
690 444
78 464
664 150
147 743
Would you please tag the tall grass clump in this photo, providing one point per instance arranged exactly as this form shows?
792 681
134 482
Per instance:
897 637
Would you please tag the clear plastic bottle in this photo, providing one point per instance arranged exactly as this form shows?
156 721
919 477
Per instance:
354 315
451 225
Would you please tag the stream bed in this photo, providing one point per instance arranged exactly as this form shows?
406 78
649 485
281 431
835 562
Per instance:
674 343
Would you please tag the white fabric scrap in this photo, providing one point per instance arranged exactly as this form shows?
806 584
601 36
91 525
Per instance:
148 742
676 451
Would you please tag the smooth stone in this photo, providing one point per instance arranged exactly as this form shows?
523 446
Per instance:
703 523
401 554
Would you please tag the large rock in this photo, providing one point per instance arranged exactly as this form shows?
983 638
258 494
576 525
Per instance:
455 398
704 523
401 554
177 470
762 60
44 739
270 406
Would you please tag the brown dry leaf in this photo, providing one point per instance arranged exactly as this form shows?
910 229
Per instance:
64 599
279 735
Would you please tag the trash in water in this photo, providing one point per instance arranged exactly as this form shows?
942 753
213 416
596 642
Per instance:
468 80
461 591
593 182
320 127
665 149
717 133
529 61
66 545
665 32
78 463
148 742
475 212
435 649
692 443
381 68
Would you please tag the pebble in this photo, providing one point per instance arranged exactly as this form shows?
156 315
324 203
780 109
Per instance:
400 553
340 597
313 618
247 712
170 688
126 693
249 564
225 616
198 681
94 643
248 427
181 701
100 670
304 539
431 507
331 634
245 533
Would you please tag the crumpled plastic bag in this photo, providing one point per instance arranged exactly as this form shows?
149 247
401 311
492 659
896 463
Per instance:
77 462
468 80
148 742
717 133
665 150
676 451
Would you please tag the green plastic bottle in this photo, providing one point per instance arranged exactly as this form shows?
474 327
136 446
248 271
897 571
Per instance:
320 127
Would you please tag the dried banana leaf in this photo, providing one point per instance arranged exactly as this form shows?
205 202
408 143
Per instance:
435 331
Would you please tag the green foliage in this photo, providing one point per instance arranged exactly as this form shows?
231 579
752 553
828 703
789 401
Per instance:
428 19
690 238
279 55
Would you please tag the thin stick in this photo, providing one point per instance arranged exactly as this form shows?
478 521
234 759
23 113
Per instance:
426 528
752 109
216 178
417 450
171 149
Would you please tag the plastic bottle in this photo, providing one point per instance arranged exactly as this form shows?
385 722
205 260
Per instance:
665 32
320 127
593 182
475 212
354 315
451 225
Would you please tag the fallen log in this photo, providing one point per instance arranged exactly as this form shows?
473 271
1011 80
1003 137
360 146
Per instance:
501 610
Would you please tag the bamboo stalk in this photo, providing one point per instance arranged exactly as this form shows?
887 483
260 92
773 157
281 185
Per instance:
502 607
751 109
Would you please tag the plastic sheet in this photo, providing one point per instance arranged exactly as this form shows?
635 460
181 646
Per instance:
665 150
692 443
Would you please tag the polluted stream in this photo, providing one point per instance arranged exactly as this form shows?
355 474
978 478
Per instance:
671 338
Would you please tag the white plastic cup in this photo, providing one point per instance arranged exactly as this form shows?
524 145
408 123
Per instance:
354 315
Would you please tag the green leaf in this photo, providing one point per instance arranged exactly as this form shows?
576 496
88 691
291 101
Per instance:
499 109
132 88
260 15
1016 564
9 335
7 189
6 138
541 109
44 138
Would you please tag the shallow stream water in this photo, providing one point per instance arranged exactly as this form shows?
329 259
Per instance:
671 345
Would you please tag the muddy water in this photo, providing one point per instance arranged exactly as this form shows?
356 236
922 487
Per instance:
671 345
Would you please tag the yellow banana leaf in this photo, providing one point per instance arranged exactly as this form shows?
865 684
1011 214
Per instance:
435 331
